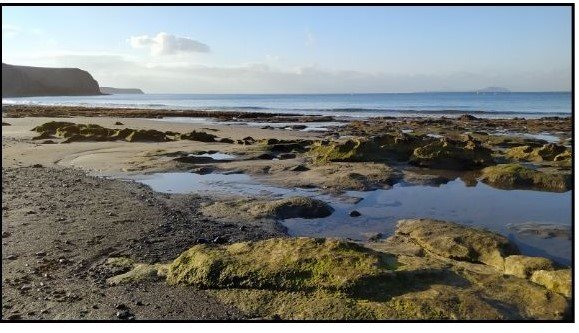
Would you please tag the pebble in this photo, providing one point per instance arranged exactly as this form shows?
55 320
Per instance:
125 315
355 213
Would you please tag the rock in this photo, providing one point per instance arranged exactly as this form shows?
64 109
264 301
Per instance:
524 267
5 124
298 127
467 117
198 136
280 263
226 140
516 176
146 136
12 257
6 234
125 315
118 123
220 240
37 165
457 242
139 272
286 156
373 236
299 168
558 281
452 155
265 156
355 213
542 230
293 207
548 152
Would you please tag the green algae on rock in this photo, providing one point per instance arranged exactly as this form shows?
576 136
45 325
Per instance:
524 267
548 152
516 176
328 279
292 264
556 280
457 242
452 155
91 132
292 207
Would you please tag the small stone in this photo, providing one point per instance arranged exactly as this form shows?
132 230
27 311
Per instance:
355 213
40 254
125 315
121 307
201 241
219 240
12 257
6 234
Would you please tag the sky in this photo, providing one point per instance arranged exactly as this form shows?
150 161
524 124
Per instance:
298 49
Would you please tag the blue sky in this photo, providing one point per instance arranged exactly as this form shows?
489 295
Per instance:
298 49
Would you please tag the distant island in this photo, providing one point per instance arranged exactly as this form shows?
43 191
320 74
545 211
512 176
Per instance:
118 91
493 90
26 81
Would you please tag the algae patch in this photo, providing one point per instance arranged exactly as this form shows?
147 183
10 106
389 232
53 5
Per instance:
515 176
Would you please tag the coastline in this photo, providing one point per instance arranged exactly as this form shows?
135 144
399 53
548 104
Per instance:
188 218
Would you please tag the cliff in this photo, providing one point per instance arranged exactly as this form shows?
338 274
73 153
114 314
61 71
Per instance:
22 81
115 91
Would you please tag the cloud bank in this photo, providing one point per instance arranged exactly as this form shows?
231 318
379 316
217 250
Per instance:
180 77
167 44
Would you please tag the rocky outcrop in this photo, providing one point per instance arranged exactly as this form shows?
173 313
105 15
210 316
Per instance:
303 207
457 242
450 154
73 132
118 91
412 275
22 81
556 280
443 153
516 176
549 152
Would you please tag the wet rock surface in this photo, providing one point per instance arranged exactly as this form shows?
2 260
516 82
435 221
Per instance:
516 176
399 278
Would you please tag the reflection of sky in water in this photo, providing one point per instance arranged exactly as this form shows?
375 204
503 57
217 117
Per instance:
310 126
216 156
481 206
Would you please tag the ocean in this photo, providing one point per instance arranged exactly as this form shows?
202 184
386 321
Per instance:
489 105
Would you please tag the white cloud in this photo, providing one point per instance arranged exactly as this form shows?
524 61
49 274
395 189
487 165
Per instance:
167 44
9 30
260 77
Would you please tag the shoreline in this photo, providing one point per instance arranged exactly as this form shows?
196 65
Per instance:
46 181
244 113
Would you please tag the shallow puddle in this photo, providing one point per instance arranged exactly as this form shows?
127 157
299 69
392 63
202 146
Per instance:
216 156
478 206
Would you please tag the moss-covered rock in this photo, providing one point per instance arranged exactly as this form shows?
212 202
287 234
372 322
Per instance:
138 273
147 136
457 242
549 152
375 149
292 264
516 176
524 267
303 207
558 280
52 126
198 136
453 155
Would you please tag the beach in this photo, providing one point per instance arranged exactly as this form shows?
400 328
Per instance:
88 209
